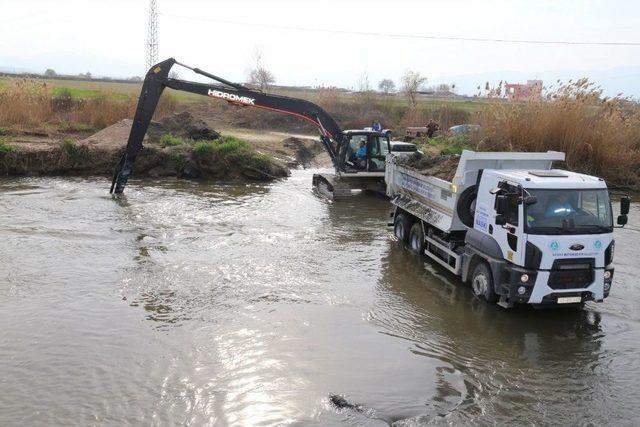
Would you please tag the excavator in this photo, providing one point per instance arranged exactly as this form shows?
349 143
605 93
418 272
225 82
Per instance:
351 171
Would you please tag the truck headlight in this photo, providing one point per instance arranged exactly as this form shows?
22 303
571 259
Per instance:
524 278
522 290
607 286
607 274
609 252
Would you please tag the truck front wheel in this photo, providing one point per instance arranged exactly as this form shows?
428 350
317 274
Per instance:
482 283
401 227
416 238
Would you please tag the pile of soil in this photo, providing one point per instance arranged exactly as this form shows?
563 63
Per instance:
443 167
181 125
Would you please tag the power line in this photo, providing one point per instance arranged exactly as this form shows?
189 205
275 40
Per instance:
406 36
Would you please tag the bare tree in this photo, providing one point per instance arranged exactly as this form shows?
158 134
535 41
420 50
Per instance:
443 87
259 75
363 83
365 94
173 74
387 86
411 83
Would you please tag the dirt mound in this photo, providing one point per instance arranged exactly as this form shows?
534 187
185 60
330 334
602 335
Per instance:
181 125
114 136
443 167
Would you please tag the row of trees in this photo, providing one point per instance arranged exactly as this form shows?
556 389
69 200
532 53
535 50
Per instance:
51 73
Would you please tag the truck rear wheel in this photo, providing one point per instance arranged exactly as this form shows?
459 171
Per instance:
416 238
482 283
401 227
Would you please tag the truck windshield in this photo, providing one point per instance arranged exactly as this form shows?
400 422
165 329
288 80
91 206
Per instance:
569 212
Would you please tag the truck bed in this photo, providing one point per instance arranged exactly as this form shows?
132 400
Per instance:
427 197
435 200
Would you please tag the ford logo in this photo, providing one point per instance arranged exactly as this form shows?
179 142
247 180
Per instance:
576 247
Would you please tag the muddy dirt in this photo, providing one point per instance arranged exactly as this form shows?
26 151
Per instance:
182 125
269 156
443 167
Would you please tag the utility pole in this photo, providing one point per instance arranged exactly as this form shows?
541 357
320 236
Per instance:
152 35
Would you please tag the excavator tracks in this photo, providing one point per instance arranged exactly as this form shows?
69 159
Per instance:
334 186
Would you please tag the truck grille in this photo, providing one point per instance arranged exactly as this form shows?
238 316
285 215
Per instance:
572 273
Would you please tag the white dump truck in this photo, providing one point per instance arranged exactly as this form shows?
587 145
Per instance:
514 228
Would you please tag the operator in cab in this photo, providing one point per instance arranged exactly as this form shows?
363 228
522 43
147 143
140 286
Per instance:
559 207
361 154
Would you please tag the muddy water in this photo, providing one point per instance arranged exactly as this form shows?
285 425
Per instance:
189 303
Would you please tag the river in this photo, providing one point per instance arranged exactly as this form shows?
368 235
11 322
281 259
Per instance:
194 303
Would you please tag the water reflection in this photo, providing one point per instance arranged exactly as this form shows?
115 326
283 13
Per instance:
491 360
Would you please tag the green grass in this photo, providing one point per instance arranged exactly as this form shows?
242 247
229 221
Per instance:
259 161
75 127
85 93
230 144
202 148
445 144
68 146
225 146
168 140
6 148
3 131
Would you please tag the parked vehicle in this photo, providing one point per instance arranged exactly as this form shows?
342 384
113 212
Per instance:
465 128
514 228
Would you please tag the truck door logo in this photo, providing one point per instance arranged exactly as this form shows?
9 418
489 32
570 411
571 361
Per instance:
576 247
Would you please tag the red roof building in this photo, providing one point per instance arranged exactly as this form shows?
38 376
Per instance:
530 91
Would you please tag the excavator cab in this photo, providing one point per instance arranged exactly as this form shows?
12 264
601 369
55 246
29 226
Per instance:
366 151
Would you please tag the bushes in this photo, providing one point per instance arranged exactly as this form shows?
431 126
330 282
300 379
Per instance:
444 144
70 152
599 136
229 156
6 148
25 102
28 103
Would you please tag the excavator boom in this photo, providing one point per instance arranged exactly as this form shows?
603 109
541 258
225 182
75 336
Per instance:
157 79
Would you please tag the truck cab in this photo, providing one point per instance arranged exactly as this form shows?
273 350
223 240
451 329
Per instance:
553 233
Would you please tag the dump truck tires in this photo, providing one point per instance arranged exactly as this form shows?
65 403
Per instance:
482 283
416 238
466 207
401 227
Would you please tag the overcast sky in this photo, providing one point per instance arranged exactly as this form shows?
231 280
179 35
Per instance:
108 38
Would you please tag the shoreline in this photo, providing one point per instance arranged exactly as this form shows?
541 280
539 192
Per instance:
258 156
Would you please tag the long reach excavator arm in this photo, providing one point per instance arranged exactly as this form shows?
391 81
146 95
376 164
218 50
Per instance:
157 79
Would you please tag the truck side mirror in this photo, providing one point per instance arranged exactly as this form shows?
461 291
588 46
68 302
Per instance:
530 200
622 220
502 204
501 219
625 203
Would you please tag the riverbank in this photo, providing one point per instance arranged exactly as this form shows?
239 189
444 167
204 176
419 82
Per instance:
178 145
